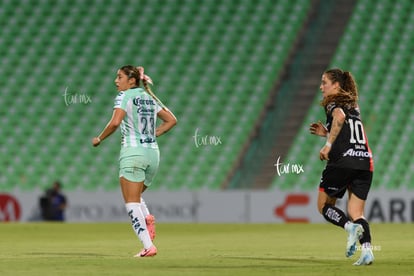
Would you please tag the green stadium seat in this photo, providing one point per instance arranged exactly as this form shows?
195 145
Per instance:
200 55
376 46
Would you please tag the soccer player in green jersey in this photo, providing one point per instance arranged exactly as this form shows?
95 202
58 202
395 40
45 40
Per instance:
136 110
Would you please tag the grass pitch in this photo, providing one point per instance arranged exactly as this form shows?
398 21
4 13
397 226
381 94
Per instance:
199 249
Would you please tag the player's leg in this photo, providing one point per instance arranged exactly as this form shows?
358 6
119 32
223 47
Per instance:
336 216
356 211
149 218
153 158
331 188
132 194
144 207
132 176
356 206
356 203
333 185
327 208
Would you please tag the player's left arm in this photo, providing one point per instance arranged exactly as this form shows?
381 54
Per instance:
113 124
338 120
318 129
168 121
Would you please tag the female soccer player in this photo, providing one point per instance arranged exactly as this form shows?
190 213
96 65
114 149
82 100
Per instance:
136 111
350 164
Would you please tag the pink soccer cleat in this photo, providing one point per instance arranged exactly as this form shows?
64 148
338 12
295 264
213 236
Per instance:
150 252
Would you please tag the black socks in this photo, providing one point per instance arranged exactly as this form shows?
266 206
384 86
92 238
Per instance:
338 217
366 236
334 215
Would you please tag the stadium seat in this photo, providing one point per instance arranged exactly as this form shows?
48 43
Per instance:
376 48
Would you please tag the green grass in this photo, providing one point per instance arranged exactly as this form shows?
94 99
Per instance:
198 249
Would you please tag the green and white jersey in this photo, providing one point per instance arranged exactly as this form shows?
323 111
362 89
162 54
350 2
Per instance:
138 125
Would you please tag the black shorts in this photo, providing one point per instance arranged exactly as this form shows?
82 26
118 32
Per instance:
335 181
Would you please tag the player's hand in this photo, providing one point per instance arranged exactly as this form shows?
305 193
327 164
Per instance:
318 129
96 141
324 153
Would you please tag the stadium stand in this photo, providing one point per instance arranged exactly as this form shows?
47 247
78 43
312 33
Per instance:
213 64
376 47
293 93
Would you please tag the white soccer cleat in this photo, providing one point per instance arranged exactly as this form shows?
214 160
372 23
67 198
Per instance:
355 233
367 257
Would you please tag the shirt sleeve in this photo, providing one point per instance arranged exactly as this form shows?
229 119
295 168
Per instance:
118 100
158 107
330 107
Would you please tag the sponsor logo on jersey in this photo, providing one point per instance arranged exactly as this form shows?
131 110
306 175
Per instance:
147 140
143 105
357 153
138 101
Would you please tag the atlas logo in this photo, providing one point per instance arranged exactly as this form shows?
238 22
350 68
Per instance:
9 208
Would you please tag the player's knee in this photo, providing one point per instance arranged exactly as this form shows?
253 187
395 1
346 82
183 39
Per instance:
324 199
321 202
322 206
322 209
325 203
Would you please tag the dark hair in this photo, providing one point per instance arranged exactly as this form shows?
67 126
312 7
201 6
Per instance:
138 73
348 93
57 183
131 72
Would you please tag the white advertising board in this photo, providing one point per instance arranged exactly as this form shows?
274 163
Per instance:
267 206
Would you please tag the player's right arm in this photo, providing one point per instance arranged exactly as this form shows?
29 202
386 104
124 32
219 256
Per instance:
117 117
338 120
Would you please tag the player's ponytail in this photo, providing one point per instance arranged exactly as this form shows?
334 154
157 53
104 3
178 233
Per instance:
349 85
138 74
146 80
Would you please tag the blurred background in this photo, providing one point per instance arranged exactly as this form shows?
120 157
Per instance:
241 76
